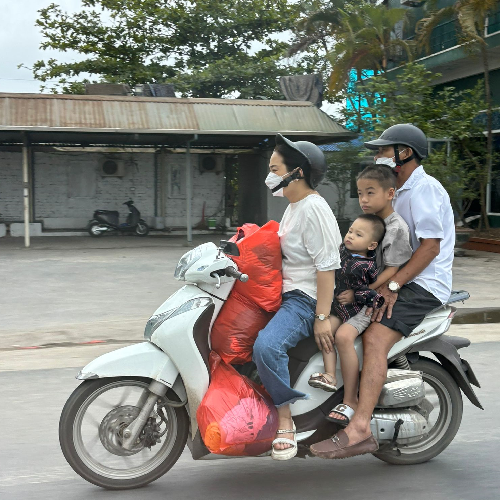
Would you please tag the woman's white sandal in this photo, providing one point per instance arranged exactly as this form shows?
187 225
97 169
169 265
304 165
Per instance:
287 453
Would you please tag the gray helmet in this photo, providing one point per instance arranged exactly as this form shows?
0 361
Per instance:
405 134
312 154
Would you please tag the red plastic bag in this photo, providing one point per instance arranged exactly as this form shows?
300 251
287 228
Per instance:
236 328
260 258
236 417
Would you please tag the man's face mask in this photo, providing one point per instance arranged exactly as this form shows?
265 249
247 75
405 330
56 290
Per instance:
390 162
386 161
276 183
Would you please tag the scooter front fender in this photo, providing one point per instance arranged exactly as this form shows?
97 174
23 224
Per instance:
139 360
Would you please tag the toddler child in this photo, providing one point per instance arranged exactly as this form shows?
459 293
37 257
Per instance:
358 269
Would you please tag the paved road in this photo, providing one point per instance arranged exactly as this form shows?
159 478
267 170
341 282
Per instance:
32 466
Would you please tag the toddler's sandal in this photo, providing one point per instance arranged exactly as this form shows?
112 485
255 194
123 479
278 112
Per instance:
322 381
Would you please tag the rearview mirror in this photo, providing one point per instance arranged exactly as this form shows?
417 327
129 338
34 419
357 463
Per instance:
229 248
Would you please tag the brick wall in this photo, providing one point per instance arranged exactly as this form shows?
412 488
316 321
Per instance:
11 187
208 190
68 185
57 196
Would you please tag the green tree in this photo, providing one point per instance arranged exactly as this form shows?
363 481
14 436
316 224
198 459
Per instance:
339 174
357 35
447 115
207 48
471 18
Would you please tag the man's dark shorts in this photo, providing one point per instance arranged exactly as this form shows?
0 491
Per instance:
413 303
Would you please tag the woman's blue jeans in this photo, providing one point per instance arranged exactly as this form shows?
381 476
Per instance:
293 322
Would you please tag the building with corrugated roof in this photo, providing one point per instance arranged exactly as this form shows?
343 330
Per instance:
63 156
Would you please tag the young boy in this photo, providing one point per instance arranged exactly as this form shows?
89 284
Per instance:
358 269
376 189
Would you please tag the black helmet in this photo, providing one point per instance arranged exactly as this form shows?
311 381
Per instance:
313 155
405 134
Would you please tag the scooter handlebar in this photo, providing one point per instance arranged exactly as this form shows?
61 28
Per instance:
231 271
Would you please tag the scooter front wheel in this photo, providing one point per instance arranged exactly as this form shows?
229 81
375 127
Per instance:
142 229
91 434
96 229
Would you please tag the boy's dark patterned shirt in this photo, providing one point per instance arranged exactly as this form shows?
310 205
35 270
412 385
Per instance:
355 273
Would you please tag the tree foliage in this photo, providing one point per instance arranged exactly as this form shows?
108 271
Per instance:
445 115
470 16
356 35
207 48
339 174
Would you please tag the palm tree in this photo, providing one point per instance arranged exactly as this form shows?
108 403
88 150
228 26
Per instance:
471 18
365 40
361 34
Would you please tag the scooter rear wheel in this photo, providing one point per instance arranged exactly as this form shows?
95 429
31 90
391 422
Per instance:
91 434
446 397
95 230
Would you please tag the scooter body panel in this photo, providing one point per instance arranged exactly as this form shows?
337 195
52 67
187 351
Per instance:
138 360
185 338
432 326
317 397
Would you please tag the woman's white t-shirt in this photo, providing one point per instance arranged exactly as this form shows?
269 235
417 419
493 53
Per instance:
310 241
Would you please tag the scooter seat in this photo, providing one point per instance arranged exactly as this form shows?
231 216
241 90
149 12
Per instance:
113 213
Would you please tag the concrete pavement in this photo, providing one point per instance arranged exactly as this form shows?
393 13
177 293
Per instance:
84 289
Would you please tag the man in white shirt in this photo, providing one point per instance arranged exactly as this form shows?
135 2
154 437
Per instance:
420 286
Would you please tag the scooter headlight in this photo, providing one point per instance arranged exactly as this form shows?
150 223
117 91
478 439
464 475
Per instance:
188 259
158 319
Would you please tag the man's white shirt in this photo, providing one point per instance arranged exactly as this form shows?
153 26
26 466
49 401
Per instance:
425 206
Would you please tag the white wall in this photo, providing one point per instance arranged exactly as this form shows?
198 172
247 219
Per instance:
351 209
11 187
208 190
68 187
58 176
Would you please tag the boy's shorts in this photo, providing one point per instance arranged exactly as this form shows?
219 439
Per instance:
413 303
360 321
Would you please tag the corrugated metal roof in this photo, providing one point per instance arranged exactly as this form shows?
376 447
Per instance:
143 115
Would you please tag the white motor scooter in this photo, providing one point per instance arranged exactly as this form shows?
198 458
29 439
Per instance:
128 422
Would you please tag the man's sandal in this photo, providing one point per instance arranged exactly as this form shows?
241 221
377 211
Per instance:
339 446
341 409
287 453
322 381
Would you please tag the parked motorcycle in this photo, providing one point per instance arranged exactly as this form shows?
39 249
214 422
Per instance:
108 220
130 419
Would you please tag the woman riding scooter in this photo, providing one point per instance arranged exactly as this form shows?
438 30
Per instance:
310 241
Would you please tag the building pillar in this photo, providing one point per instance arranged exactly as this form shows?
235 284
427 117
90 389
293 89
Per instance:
189 191
252 191
27 189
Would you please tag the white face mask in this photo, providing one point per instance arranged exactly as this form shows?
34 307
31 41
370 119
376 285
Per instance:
390 162
273 180
386 161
